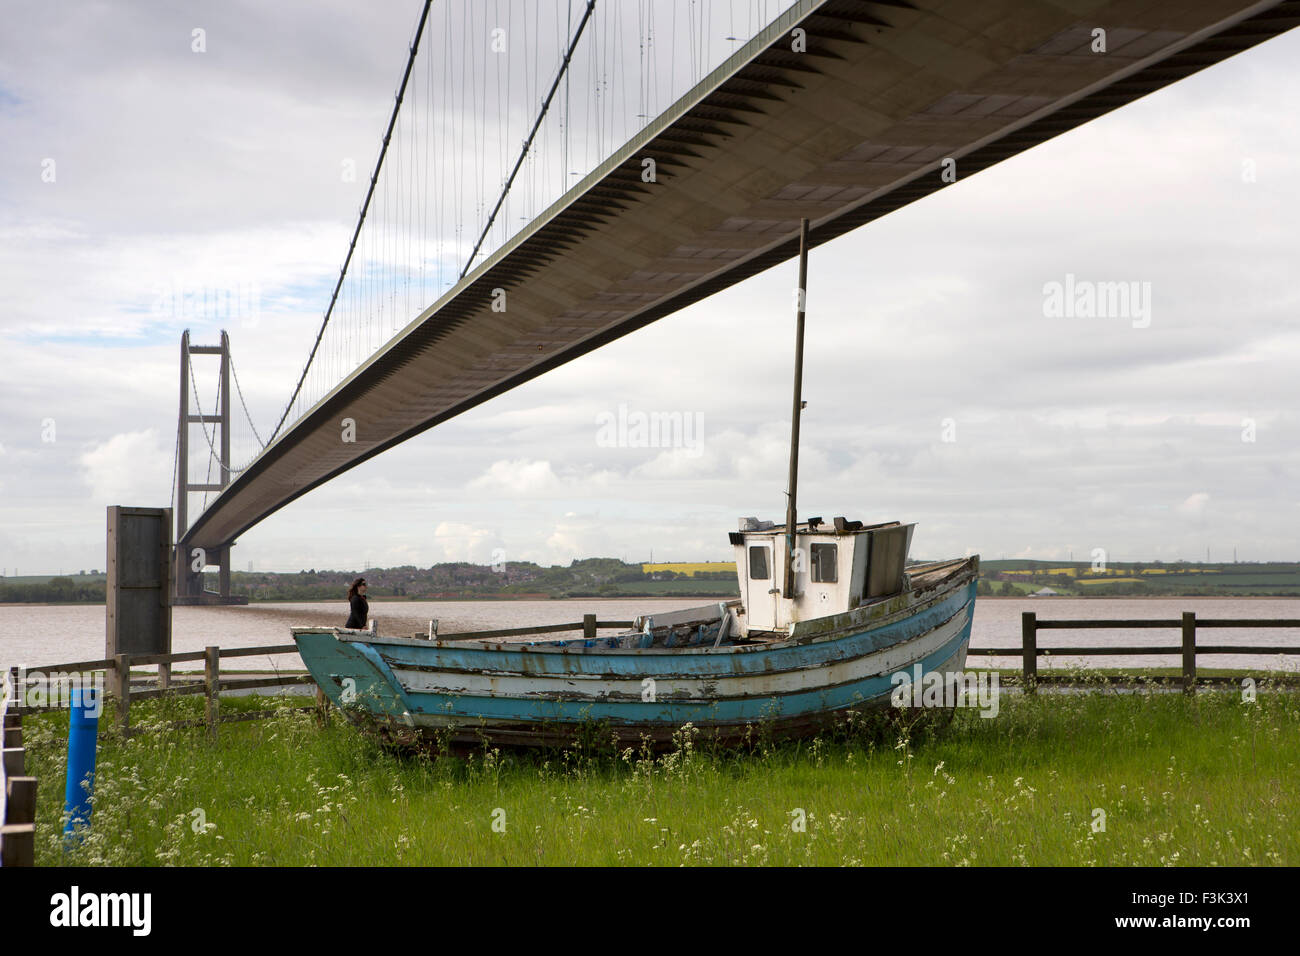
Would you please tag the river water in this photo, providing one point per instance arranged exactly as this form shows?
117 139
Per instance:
34 636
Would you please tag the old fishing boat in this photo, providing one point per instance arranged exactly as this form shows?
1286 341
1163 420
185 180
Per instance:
830 614
785 665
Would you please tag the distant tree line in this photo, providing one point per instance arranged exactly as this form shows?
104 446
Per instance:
60 590
610 577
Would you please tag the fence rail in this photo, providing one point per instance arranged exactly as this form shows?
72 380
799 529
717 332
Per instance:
1029 651
118 674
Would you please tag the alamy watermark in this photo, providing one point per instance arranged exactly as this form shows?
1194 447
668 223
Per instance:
238 301
54 689
937 689
1085 299
629 428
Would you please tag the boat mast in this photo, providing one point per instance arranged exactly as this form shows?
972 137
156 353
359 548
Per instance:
793 483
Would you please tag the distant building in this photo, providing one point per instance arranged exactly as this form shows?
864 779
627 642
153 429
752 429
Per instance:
1045 592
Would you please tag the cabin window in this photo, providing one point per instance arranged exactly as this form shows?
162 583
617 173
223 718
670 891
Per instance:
825 563
758 569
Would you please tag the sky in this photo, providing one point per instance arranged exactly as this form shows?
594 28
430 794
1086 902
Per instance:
948 381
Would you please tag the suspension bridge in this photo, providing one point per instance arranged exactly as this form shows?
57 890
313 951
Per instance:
556 175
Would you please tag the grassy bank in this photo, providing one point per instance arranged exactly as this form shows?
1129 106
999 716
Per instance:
1206 780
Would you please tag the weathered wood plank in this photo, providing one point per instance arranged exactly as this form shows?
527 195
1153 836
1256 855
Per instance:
142 660
123 670
212 685
1189 652
77 667
539 629
1106 625
1243 648
20 800
18 844
1248 622
1029 643
508 632
1047 677
265 649
1093 650
13 762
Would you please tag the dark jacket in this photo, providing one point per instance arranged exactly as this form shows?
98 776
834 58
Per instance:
360 613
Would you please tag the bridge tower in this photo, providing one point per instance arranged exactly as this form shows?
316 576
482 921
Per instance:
188 581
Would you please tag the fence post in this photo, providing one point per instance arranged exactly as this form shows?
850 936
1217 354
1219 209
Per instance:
122 664
1029 649
15 761
14 694
322 706
18 843
164 676
1189 652
212 680
589 626
20 802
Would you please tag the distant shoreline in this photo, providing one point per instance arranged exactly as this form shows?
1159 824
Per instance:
682 597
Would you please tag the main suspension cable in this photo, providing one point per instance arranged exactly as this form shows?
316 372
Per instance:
374 178
528 143
240 392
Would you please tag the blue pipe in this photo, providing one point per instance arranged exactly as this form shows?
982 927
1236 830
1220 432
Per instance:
83 735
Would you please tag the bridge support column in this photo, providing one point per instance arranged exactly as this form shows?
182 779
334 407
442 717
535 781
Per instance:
223 573
188 582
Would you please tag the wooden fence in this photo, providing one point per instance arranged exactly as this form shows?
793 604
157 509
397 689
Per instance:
17 791
117 672
1187 650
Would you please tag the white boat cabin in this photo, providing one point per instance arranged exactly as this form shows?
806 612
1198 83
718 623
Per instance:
837 567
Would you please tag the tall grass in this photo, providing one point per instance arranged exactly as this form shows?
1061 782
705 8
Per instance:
1061 779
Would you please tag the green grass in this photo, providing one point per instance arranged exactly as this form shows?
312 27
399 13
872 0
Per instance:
1201 780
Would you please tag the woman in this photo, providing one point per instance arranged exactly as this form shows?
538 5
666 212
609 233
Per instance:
360 606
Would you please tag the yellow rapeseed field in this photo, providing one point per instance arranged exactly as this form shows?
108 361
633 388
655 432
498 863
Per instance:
689 567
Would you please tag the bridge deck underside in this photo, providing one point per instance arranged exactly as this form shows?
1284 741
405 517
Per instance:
850 130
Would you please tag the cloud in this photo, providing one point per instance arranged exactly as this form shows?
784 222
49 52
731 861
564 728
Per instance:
522 478
129 468
463 542
1070 434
